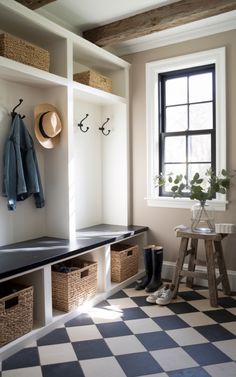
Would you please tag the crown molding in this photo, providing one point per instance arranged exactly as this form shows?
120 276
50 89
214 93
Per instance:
198 29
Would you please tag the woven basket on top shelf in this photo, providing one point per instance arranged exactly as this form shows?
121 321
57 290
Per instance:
94 79
124 261
24 52
16 311
73 288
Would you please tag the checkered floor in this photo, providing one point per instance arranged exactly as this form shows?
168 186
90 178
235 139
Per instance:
126 336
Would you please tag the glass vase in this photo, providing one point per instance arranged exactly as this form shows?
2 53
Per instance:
202 219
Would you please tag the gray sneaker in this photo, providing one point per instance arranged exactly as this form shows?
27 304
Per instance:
166 295
154 296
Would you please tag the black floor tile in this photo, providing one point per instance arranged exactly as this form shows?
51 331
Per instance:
221 316
82 320
181 308
28 357
56 336
91 349
156 340
133 313
206 354
189 372
109 330
69 369
215 333
138 364
227 302
170 322
191 295
120 294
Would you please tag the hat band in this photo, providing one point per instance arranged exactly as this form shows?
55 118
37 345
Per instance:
41 125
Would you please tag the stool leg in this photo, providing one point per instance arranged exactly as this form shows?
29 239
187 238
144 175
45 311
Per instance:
191 263
211 273
222 268
179 264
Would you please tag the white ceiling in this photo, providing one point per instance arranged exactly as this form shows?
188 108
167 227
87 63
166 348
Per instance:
80 15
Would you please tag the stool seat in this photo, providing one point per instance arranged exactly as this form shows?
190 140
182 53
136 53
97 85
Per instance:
214 258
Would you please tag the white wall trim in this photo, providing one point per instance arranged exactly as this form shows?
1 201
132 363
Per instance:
194 30
153 69
169 267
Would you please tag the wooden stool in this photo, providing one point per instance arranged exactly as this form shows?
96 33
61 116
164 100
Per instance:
214 256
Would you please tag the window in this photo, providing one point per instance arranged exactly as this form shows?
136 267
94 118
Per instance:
186 125
187 122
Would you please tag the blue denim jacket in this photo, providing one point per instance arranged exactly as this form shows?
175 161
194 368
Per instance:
21 176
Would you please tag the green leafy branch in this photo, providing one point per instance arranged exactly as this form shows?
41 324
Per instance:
200 188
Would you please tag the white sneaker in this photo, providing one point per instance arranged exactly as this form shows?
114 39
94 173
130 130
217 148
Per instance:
166 295
154 296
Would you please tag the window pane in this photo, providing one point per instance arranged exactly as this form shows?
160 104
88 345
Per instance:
176 118
176 91
197 168
176 169
200 116
200 87
175 149
199 148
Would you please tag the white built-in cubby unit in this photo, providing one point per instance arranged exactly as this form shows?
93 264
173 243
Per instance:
85 178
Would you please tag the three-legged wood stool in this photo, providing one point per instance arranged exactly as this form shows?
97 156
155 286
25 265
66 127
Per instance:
214 258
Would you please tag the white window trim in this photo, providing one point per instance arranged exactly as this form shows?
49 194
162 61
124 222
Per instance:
215 56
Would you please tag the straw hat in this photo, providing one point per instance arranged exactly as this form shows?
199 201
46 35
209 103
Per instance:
47 125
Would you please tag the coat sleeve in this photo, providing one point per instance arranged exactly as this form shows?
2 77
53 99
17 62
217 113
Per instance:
9 175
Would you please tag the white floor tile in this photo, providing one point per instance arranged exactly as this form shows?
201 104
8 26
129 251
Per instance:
23 372
232 310
156 311
57 353
203 305
220 370
173 359
107 366
230 326
104 315
131 292
140 326
228 347
183 288
122 303
196 319
78 333
187 336
122 345
205 293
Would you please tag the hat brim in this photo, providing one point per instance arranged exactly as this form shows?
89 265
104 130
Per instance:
48 143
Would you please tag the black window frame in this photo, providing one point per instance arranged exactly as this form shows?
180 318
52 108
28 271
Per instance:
162 78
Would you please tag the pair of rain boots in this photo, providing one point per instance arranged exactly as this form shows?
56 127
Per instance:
153 260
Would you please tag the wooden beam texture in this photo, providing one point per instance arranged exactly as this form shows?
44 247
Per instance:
165 17
35 4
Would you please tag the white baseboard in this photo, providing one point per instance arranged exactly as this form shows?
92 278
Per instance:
168 270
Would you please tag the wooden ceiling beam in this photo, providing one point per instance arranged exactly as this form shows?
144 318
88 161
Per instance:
35 4
165 17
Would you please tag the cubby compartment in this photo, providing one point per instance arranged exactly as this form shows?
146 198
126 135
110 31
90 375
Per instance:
87 57
100 164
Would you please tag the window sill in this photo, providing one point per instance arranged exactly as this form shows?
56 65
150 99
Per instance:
219 205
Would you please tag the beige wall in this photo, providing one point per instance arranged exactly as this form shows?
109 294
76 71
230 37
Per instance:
161 221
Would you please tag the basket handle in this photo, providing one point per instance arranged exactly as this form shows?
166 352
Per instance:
11 302
84 273
129 253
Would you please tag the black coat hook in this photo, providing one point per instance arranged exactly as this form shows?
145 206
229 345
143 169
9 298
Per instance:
103 128
80 124
14 113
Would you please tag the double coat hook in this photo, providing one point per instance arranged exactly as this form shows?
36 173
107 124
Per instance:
13 113
103 128
80 124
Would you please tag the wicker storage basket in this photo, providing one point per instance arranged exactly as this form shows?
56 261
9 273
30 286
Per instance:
94 79
124 262
71 289
16 311
24 52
